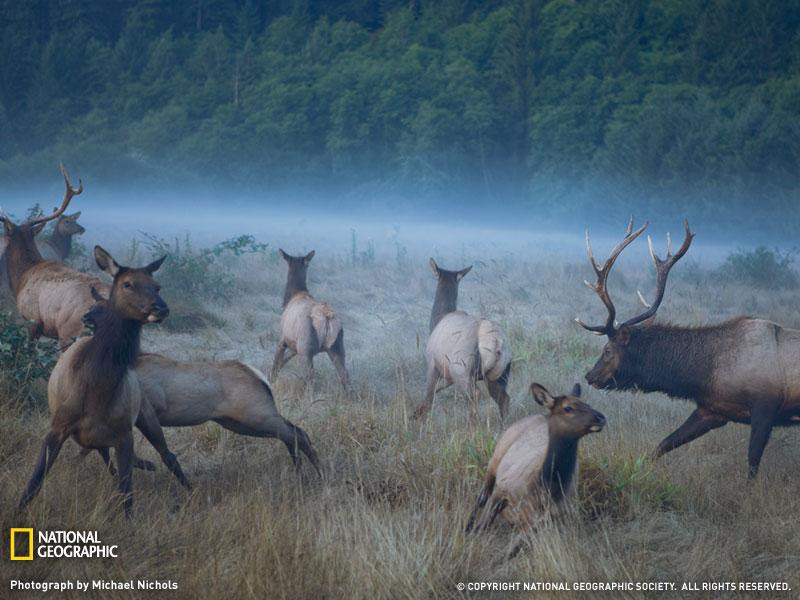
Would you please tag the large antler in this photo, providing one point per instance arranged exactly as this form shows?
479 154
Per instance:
68 195
662 271
600 288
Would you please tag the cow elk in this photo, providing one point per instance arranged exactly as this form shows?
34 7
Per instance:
58 245
535 461
463 349
744 370
231 393
308 326
94 394
52 295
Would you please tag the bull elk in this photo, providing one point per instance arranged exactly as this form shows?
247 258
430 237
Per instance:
94 394
535 461
744 370
308 327
463 349
52 295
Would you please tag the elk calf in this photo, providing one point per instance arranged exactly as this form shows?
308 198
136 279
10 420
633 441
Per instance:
308 326
535 461
463 349
93 392
745 370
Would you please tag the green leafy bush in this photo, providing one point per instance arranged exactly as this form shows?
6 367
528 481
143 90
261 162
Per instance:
762 267
22 361
190 274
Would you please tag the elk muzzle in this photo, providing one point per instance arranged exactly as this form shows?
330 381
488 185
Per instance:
599 422
158 312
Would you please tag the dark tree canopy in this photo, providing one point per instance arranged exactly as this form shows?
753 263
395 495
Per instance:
517 98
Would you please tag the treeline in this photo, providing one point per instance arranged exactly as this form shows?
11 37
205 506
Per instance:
532 97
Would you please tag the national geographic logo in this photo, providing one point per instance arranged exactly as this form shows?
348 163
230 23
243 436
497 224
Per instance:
16 534
57 544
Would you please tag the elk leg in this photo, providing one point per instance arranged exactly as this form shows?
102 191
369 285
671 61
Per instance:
36 331
307 366
106 456
497 390
124 452
336 354
280 359
148 424
497 507
762 418
430 388
699 423
51 446
483 497
292 436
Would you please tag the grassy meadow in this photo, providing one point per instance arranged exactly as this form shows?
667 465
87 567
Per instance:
387 520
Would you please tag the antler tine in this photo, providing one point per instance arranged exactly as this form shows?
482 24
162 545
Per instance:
662 272
68 195
602 276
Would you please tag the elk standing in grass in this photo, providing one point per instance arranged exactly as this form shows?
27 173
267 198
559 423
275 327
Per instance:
52 295
94 394
308 326
463 349
745 370
535 461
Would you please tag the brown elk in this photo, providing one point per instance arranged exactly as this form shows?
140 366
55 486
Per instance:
52 295
535 461
93 392
463 349
745 370
308 326
58 245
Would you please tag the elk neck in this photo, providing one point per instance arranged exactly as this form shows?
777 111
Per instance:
677 361
295 284
113 348
445 301
559 465
21 255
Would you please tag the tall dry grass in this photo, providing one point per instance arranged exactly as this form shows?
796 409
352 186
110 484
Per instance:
387 520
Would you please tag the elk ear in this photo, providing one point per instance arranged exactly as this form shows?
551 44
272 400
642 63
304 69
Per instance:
542 396
307 258
37 229
434 267
8 226
460 274
105 261
96 296
285 256
75 216
576 390
153 266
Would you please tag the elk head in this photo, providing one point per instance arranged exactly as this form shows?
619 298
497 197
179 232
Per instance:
609 371
68 225
451 277
21 236
569 417
134 293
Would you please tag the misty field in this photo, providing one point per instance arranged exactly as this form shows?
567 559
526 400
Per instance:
387 520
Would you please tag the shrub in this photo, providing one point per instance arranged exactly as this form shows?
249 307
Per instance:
761 267
189 274
22 361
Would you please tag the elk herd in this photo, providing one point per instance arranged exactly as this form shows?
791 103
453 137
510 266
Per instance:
745 370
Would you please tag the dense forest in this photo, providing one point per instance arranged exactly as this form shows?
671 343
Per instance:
524 99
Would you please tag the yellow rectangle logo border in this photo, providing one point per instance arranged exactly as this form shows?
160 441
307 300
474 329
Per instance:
16 530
